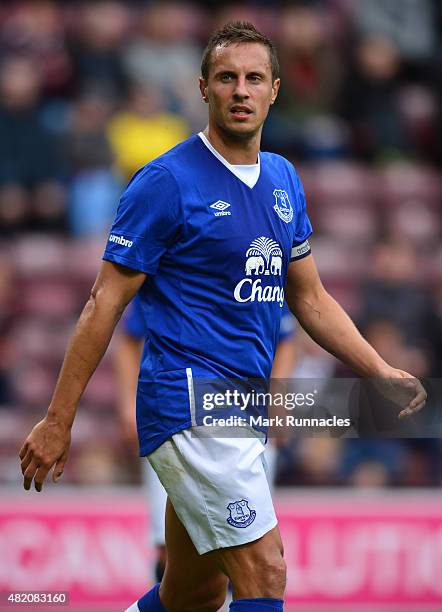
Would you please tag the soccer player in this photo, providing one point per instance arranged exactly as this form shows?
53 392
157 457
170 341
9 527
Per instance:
213 234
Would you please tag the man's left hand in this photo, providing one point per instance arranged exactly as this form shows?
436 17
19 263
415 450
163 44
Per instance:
404 389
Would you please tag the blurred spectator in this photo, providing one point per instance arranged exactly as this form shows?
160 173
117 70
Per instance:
394 293
434 332
8 308
387 337
35 30
143 130
94 188
265 20
31 196
416 222
166 56
418 108
369 99
87 146
372 463
96 46
409 24
312 361
310 462
422 463
310 74
97 464
310 67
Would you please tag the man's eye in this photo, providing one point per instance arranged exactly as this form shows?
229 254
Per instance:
226 77
254 77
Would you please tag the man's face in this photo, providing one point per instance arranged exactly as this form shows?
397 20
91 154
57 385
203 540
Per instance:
240 88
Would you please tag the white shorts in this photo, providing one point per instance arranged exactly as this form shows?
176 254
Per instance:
217 486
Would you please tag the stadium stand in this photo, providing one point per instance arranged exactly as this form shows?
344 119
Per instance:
359 115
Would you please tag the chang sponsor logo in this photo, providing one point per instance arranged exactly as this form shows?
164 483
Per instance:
263 258
120 240
253 291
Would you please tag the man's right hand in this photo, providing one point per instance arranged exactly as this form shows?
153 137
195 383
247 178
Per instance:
47 445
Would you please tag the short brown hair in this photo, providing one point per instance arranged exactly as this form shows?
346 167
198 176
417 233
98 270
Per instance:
238 32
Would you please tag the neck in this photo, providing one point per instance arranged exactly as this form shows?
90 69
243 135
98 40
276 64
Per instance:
235 150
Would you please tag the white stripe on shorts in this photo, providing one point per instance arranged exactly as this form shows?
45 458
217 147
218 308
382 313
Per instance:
191 395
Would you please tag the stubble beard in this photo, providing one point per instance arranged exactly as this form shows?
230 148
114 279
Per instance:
241 135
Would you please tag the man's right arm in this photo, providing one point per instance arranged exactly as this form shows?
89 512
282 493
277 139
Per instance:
48 443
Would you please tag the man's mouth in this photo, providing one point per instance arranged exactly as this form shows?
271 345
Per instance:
238 110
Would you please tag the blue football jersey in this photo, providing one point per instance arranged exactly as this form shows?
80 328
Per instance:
134 325
216 253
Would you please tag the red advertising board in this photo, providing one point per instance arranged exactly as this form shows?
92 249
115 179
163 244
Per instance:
364 549
340 548
94 547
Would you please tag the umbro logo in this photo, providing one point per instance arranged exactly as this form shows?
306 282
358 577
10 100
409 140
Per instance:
120 240
220 208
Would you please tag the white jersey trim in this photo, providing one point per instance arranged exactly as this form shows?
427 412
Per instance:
247 173
191 395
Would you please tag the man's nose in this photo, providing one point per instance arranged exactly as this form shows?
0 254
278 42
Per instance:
241 90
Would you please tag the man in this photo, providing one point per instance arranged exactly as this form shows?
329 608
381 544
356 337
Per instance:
212 286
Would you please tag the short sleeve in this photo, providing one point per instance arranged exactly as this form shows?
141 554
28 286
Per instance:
148 220
302 226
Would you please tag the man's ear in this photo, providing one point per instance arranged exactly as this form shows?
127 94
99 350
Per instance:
203 89
275 89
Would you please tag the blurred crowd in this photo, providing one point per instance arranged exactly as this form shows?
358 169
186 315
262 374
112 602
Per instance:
90 91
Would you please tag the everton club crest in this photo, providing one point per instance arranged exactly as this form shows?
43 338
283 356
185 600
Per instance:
282 206
240 514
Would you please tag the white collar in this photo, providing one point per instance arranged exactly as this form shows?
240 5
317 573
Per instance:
247 173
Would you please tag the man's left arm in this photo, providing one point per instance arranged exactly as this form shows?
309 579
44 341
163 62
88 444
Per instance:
329 325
